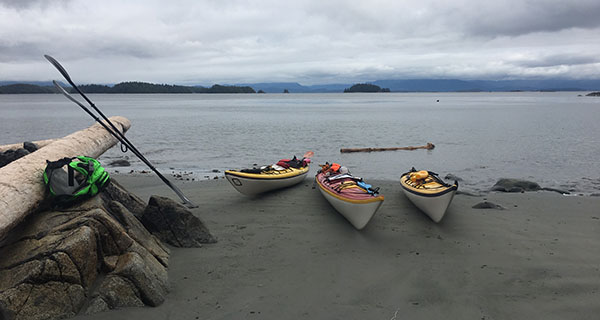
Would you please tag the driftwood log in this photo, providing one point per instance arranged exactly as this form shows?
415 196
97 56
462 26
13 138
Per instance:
429 146
21 185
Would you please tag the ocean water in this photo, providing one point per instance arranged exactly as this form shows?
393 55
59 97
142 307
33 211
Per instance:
552 138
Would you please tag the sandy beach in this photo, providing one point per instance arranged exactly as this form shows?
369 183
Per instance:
290 255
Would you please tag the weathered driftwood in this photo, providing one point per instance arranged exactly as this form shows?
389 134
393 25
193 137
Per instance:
21 185
429 146
39 144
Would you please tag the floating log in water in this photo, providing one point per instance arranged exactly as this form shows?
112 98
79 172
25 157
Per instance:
429 146
22 188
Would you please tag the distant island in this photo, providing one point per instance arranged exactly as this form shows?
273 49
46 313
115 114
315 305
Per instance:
593 94
366 87
126 87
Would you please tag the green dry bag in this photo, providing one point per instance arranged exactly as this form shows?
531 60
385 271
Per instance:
70 179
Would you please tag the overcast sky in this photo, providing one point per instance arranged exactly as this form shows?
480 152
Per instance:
310 42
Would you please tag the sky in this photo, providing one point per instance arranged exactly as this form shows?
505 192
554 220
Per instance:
309 42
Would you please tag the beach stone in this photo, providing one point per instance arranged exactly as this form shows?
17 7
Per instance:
9 156
95 253
488 205
119 163
175 224
30 146
515 185
452 177
556 190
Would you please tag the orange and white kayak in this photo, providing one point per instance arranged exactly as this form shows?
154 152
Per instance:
428 192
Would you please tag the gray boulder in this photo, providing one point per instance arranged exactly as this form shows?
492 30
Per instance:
175 224
515 185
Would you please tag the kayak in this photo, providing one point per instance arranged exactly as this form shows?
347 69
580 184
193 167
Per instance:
428 192
350 196
284 173
268 180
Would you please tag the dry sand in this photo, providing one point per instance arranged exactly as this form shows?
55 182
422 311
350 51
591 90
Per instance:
290 255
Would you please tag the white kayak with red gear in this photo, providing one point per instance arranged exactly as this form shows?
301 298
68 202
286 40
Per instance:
285 173
428 192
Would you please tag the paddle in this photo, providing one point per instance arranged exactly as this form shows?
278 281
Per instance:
112 130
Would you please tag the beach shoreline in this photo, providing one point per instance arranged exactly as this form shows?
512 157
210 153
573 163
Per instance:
289 255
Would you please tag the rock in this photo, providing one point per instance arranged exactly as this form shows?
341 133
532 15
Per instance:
97 305
488 205
175 224
95 253
150 279
556 190
119 163
9 156
115 192
139 233
118 292
30 146
49 300
515 185
452 177
593 94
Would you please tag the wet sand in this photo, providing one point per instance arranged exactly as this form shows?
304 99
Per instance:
290 255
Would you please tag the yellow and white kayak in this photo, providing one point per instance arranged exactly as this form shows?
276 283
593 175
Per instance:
267 180
285 173
428 192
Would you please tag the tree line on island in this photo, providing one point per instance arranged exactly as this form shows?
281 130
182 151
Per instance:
126 87
366 87
145 87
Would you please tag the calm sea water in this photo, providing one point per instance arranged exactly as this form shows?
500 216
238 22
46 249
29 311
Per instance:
551 138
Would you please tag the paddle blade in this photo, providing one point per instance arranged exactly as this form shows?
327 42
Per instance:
59 68
308 155
66 94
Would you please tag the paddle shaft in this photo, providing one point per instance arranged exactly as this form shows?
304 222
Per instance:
113 130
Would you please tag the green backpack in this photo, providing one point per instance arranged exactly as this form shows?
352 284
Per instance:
84 177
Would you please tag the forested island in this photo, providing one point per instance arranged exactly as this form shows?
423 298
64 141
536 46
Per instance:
126 87
366 87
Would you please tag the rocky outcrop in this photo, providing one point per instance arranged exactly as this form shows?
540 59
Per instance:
174 224
91 257
593 94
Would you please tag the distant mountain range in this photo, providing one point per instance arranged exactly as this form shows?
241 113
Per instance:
438 85
405 85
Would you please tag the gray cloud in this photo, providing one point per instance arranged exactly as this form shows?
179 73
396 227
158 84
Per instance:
307 41
516 18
